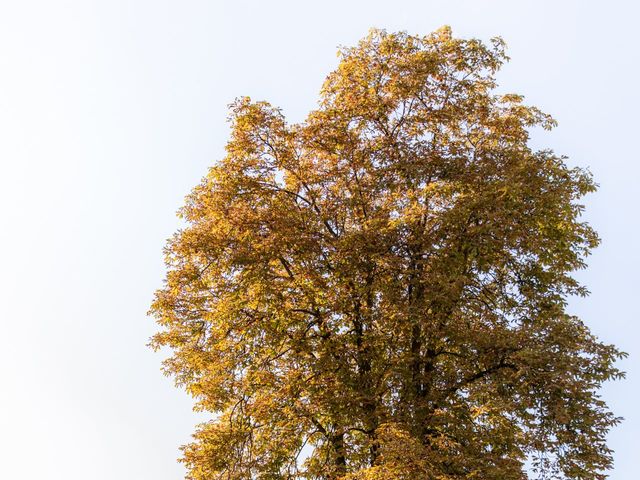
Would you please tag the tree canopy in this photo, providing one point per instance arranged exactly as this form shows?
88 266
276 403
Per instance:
380 291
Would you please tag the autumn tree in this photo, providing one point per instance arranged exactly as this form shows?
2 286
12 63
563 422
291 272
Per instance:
380 291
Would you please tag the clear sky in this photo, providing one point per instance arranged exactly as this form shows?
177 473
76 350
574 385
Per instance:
110 111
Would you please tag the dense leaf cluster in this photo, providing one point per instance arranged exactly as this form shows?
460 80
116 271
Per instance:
379 292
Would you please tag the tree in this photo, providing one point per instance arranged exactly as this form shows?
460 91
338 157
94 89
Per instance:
379 292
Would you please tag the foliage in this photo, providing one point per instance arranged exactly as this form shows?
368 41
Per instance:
379 292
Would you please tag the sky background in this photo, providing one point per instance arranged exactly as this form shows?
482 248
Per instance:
111 111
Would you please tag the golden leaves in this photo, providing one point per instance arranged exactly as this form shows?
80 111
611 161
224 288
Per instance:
378 292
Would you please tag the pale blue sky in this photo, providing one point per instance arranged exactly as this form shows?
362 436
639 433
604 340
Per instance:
110 111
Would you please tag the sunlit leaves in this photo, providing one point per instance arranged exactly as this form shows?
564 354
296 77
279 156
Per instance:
379 292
